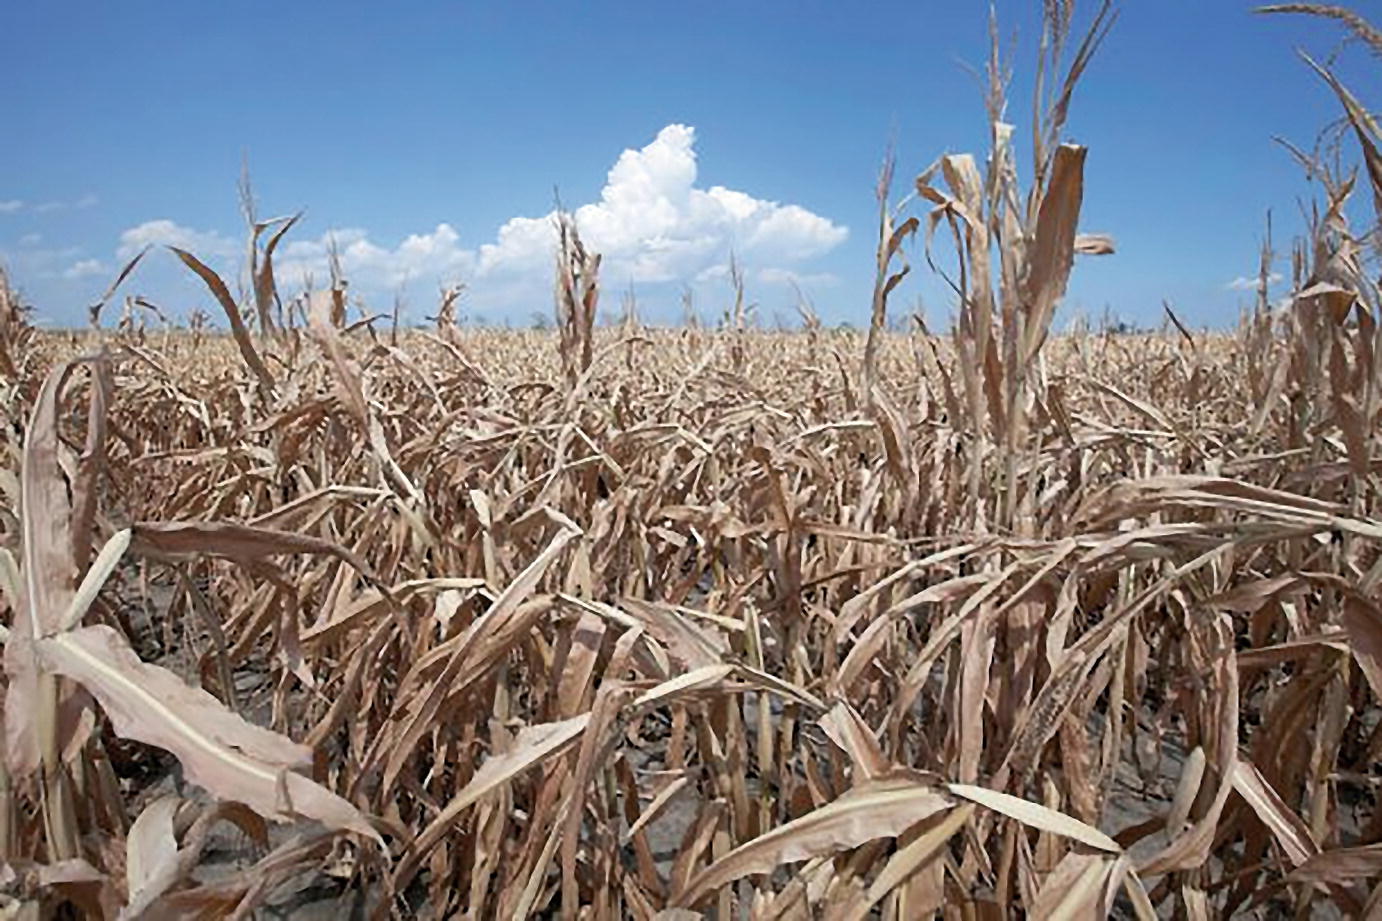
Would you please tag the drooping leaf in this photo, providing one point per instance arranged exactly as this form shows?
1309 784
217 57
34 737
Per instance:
220 751
881 809
232 311
1036 816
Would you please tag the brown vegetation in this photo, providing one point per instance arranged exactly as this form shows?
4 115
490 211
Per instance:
661 623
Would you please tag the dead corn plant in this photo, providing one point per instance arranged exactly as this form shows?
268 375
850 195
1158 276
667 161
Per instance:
577 297
15 329
833 625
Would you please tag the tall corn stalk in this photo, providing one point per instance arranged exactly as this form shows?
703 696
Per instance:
891 236
1334 325
259 264
15 329
1005 311
577 298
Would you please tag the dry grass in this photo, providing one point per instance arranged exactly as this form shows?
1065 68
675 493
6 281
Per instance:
654 623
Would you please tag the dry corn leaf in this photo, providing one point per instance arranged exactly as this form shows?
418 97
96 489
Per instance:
219 750
847 729
1083 885
881 809
1291 833
1363 624
1036 815
1053 248
151 850
910 860
1341 865
232 311
238 542
533 745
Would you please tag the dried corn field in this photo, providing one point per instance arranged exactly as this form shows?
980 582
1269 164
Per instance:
664 624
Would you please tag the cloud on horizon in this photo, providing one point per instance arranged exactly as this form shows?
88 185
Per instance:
208 246
17 205
653 225
84 268
1251 283
31 262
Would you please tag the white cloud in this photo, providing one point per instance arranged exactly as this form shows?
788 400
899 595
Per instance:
206 245
1251 283
31 239
652 224
84 268
29 262
86 201
773 276
10 206
426 257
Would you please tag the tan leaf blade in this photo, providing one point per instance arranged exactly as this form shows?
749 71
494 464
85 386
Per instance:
882 809
235 541
1363 624
231 758
909 860
237 324
1292 833
847 729
1053 248
48 573
1036 816
533 745
685 641
707 676
1342 865
1082 885
94 311
1094 244
265 291
151 849
654 808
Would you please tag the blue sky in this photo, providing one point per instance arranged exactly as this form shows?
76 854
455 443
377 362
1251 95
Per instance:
427 139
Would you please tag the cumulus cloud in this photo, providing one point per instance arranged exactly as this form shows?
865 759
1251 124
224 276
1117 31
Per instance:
1246 283
84 268
10 206
40 263
652 224
204 244
431 257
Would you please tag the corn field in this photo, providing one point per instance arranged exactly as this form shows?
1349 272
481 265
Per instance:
630 622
